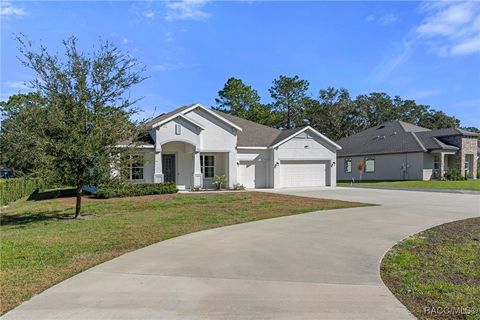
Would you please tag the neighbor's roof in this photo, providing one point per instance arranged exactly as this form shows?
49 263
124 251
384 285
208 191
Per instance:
398 137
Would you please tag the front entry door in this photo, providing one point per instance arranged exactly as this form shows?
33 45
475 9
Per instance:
168 166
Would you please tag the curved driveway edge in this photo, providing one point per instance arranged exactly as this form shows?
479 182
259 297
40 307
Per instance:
320 265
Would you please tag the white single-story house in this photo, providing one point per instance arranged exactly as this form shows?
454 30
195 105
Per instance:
192 144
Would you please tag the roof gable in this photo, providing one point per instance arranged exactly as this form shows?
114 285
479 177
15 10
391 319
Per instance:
167 117
291 133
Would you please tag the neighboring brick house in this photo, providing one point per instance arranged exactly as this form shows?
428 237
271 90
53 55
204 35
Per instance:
397 150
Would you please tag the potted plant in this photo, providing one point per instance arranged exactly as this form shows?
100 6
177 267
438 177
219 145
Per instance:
219 181
360 168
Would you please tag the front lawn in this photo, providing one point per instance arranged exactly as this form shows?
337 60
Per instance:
431 184
436 273
41 245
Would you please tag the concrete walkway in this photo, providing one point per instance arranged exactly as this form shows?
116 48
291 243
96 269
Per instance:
321 265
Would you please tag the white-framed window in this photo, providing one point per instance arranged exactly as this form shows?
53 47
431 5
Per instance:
178 129
207 165
136 168
369 164
436 162
348 165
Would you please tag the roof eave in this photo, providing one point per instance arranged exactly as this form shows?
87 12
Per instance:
337 146
194 106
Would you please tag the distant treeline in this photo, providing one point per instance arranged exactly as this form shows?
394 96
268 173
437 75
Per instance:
333 112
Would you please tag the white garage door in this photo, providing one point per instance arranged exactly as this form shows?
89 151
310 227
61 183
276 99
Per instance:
252 174
303 173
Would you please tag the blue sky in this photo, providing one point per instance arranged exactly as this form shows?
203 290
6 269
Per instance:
427 51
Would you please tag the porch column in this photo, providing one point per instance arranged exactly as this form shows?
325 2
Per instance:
442 165
276 168
197 171
158 173
232 168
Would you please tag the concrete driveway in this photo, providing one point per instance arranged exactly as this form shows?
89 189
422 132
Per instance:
320 265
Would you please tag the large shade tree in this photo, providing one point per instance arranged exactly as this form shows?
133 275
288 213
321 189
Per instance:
79 113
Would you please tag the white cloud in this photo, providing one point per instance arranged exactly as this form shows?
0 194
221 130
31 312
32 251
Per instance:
451 28
467 46
149 14
168 36
392 60
388 19
126 41
16 85
9 88
8 10
448 29
167 67
186 10
421 94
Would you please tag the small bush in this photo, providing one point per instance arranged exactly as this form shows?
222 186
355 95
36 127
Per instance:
196 188
16 188
219 181
134 190
238 186
454 174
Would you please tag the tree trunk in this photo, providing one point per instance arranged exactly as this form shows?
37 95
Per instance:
289 123
78 205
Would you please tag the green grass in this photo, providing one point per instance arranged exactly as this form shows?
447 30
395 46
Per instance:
438 268
431 184
41 245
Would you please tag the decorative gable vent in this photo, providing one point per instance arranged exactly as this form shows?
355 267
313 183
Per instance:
178 129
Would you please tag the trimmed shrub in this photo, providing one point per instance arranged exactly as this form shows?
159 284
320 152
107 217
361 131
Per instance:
454 174
238 186
16 188
134 190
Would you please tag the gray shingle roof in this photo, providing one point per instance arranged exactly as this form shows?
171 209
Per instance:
429 140
164 116
285 134
253 134
454 132
397 137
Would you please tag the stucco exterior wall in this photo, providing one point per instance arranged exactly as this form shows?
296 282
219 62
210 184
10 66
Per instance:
217 136
401 166
207 134
260 157
306 148
166 133
149 165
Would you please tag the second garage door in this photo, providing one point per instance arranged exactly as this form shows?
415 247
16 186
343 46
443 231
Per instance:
303 173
